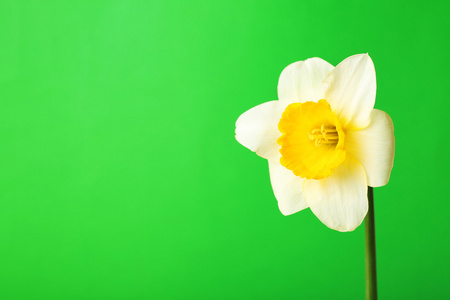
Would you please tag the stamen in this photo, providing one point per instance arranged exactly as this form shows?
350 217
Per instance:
326 135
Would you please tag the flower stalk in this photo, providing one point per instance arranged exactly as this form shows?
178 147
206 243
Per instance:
371 268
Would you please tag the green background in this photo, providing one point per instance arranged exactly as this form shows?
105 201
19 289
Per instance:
120 177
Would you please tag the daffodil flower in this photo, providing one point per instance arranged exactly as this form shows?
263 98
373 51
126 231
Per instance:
324 141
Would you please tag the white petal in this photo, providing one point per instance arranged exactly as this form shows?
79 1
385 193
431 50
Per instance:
303 80
374 147
340 200
257 128
351 90
287 188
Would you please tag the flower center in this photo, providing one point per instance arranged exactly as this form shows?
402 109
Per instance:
326 135
312 141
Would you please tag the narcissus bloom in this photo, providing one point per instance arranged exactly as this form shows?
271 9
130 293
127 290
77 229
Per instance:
324 141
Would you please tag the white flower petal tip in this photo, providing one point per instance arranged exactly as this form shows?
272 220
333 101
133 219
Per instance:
257 128
351 89
339 201
374 148
303 80
287 189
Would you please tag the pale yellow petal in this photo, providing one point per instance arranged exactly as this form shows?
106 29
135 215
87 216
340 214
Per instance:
303 80
374 146
340 200
257 128
287 188
351 89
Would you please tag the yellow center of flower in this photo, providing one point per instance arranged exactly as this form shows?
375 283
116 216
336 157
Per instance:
312 143
324 135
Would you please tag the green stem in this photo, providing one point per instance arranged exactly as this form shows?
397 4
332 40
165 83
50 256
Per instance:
371 265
